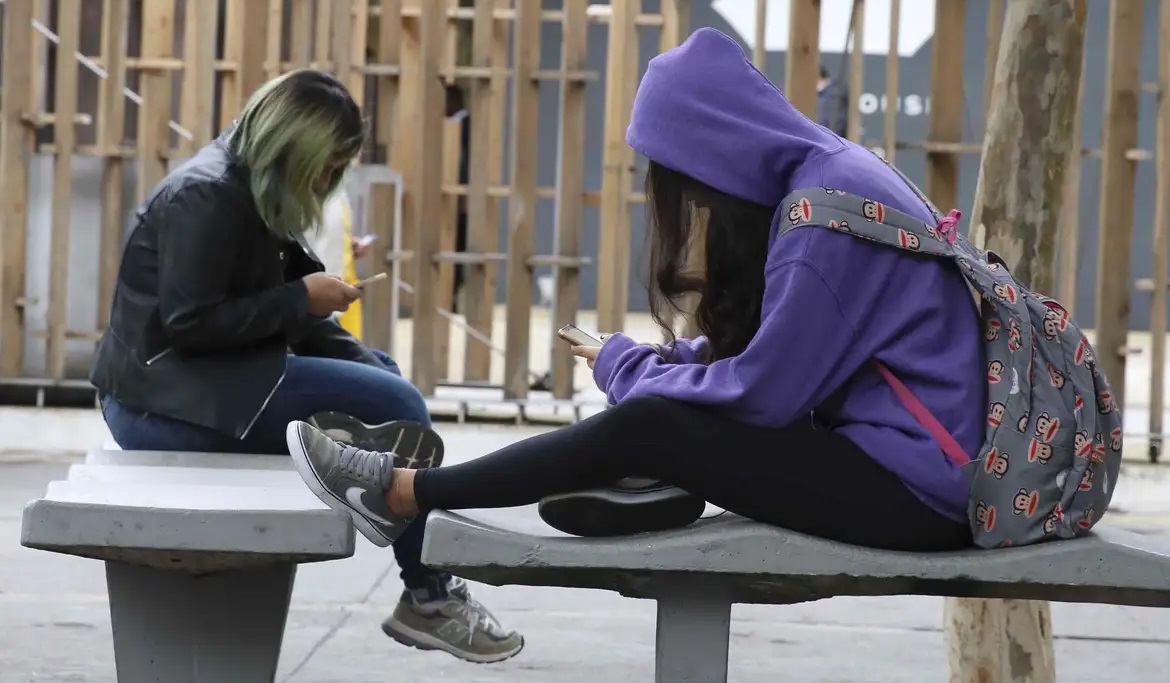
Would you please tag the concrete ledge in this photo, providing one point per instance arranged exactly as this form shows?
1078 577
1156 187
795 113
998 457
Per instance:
756 563
188 528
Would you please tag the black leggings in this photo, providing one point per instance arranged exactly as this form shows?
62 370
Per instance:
812 481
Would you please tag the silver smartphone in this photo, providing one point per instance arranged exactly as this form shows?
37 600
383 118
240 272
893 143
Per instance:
575 336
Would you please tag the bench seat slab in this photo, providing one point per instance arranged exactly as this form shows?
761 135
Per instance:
188 459
186 528
224 627
757 563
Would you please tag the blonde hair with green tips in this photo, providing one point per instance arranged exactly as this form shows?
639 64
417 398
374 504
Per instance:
292 130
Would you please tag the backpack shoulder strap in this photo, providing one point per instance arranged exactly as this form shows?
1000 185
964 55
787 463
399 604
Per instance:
865 218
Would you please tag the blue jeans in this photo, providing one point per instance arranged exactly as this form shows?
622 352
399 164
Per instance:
311 385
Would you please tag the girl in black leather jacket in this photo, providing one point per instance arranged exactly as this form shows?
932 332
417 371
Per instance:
220 333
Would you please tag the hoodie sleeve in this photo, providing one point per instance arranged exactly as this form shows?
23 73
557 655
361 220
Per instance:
805 348
685 350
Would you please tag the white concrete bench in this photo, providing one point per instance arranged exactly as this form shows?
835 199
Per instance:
201 551
696 574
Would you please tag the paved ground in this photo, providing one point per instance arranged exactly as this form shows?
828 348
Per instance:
56 627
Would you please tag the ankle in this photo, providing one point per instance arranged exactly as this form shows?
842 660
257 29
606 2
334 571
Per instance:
400 497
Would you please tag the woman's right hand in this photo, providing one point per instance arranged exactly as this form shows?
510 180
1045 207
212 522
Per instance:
329 294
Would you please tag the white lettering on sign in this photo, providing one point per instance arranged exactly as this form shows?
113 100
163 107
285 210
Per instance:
911 104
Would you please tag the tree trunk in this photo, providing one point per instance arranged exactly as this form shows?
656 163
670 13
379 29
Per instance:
1017 210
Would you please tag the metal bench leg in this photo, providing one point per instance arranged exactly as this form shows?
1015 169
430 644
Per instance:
691 643
225 627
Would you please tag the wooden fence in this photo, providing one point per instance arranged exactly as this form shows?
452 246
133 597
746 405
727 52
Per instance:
163 76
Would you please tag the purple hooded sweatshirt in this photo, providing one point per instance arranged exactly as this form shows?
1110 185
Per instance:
832 302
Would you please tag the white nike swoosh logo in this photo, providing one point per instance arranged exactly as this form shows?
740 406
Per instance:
353 496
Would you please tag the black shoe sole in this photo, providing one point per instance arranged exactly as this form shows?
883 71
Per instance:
613 512
414 446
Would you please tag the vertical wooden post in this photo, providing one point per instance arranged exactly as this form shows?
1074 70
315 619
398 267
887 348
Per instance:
994 35
111 132
893 69
377 317
322 29
676 17
1020 188
405 146
760 49
300 50
1070 210
340 25
200 25
613 249
154 135
482 210
1161 234
16 143
856 72
946 101
428 191
273 40
360 19
64 140
1115 236
447 220
522 202
245 43
570 187
803 66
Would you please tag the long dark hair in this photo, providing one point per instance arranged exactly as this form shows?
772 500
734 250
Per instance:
730 280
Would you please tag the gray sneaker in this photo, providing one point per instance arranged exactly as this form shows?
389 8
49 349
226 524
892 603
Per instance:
458 625
351 480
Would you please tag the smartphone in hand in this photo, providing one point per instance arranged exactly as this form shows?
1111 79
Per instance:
577 337
371 280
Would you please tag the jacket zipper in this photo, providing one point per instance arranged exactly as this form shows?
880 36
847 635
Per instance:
263 405
158 356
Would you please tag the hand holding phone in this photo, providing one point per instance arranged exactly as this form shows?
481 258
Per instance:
577 337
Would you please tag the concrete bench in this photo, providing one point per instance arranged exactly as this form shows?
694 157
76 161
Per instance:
696 574
200 550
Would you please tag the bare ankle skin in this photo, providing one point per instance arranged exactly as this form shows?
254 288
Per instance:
400 497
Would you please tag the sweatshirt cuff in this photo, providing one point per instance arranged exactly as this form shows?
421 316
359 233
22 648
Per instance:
607 359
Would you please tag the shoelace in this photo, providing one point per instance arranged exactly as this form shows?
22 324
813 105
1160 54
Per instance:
477 617
363 465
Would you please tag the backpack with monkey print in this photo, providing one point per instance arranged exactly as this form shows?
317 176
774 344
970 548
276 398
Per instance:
1052 448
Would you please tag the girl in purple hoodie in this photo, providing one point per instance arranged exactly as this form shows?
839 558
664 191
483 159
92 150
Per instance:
776 412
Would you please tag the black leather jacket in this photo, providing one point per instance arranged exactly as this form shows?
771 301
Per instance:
209 303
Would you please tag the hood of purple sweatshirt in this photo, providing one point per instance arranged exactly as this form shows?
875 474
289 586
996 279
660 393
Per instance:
703 109
832 304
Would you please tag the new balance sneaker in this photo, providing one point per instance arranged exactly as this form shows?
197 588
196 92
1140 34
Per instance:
455 623
632 505
414 446
353 480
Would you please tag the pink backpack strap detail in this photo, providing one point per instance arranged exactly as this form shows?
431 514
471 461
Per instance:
922 414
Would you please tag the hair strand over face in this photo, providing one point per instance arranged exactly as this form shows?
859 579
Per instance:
731 283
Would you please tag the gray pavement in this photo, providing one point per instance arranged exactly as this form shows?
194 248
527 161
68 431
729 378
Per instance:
53 613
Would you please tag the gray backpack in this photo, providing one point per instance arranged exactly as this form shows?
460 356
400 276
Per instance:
1052 450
